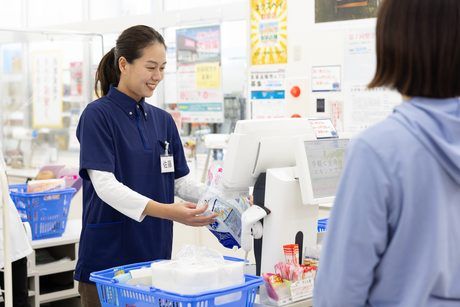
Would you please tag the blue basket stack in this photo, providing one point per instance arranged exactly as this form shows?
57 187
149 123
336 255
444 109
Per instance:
46 212
112 293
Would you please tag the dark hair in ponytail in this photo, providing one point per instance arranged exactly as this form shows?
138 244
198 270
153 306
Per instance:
107 73
129 45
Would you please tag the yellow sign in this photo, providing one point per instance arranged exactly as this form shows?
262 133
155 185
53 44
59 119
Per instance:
207 75
268 32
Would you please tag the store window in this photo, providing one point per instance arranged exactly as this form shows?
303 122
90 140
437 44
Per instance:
174 5
53 12
46 81
10 14
102 9
138 7
110 39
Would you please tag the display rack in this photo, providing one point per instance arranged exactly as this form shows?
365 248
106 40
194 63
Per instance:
53 281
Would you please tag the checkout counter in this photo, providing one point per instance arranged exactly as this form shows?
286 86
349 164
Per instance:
295 167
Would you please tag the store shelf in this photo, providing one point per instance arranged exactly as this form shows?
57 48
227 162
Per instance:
58 295
55 267
41 276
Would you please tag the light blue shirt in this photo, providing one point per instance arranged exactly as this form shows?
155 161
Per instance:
394 233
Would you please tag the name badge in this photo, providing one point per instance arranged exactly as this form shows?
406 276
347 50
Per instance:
167 164
167 161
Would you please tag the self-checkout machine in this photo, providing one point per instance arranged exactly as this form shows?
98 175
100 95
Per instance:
294 166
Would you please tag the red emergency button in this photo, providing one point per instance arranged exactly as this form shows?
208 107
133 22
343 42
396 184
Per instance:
295 91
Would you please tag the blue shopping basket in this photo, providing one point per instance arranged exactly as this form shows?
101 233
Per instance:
322 225
46 212
112 293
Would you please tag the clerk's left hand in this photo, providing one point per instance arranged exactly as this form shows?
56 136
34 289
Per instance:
187 213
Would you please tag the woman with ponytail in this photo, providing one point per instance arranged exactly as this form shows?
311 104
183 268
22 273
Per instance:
132 164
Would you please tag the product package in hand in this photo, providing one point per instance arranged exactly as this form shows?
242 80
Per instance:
227 227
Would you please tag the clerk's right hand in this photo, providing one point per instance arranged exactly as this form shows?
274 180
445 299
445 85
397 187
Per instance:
187 213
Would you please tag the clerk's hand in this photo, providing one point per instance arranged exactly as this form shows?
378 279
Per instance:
188 214
183 212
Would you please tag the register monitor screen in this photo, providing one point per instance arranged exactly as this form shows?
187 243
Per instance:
257 145
319 167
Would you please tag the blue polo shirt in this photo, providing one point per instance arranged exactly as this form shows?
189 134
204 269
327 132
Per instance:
127 138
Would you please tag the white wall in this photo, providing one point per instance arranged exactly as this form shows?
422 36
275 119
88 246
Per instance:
325 44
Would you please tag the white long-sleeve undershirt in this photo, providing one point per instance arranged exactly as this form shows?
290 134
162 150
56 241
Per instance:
131 203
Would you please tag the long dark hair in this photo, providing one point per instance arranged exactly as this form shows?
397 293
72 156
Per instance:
129 45
418 47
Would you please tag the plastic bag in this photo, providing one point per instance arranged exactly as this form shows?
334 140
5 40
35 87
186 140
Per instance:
195 270
193 255
227 227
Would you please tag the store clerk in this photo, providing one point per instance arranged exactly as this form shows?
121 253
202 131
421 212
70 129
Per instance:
132 163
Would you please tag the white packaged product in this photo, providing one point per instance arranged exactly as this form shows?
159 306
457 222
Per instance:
196 270
227 226
35 186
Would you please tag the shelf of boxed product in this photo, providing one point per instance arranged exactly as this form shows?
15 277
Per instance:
51 266
298 293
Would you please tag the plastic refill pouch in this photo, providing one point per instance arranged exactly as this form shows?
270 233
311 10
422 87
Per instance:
227 227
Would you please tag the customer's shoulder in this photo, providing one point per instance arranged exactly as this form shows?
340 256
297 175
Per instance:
388 130
386 138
